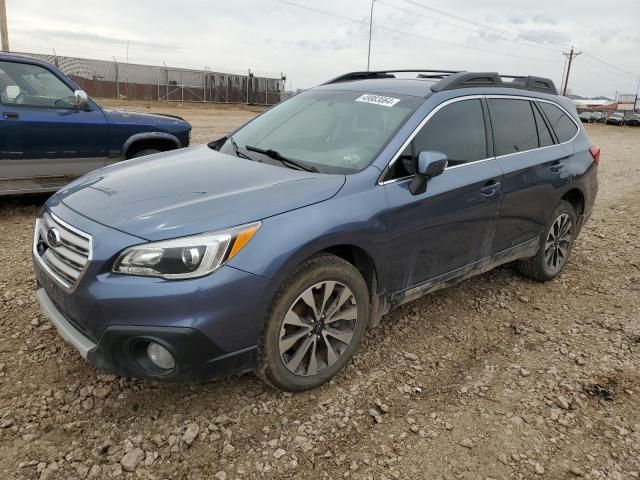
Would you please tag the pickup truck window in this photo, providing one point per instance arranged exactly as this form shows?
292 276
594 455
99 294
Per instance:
33 86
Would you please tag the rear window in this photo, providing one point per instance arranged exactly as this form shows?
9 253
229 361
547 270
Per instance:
514 127
564 127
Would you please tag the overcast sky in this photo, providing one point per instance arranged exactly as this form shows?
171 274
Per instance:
270 36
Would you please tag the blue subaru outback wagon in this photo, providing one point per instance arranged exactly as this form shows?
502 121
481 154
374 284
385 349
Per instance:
274 248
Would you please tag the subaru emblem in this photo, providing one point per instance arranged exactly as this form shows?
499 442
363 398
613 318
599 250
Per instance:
53 237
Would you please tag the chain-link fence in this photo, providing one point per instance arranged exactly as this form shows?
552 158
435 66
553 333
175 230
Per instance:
113 79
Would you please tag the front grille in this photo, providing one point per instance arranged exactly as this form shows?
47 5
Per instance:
63 250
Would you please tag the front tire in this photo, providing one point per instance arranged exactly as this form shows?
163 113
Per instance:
145 152
555 245
315 324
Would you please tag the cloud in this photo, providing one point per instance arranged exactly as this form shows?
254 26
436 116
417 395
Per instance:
544 18
545 35
272 36
90 37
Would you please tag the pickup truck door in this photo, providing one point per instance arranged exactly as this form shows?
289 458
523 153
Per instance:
42 134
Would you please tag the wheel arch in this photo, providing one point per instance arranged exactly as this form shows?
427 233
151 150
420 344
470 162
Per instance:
160 140
357 256
576 198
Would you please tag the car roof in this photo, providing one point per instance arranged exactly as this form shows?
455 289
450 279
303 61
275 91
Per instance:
13 57
398 86
428 82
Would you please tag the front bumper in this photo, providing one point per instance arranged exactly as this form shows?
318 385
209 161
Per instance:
122 349
210 324
71 334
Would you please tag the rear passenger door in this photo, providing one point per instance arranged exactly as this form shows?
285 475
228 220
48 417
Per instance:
531 158
441 233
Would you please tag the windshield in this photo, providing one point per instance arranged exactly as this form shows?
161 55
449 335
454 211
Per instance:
325 131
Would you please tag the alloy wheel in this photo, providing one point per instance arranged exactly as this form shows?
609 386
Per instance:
558 243
318 328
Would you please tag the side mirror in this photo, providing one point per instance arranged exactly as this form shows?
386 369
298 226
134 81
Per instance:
430 164
80 99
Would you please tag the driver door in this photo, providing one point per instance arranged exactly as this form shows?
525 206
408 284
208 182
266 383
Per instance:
447 231
41 133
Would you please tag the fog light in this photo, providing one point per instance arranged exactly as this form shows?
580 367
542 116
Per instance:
160 356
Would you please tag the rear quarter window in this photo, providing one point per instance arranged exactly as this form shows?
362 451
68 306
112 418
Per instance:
564 127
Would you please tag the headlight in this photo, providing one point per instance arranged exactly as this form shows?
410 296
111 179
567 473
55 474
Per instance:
186 257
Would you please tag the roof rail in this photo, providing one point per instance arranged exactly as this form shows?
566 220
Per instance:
452 79
348 77
494 79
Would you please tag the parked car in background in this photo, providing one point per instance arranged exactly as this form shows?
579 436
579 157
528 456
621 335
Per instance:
616 118
597 117
634 120
276 247
585 117
52 132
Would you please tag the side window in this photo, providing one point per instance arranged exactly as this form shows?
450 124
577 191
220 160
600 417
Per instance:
564 127
32 86
544 135
514 127
403 166
457 130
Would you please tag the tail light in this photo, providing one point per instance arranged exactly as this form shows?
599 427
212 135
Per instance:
595 153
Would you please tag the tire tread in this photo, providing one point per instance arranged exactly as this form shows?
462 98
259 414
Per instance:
320 260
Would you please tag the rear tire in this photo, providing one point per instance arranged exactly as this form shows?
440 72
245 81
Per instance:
555 245
314 325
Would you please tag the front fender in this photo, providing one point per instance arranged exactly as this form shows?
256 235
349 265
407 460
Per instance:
286 240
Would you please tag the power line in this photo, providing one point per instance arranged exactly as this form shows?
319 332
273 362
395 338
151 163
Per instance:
634 75
481 34
484 26
524 37
600 70
401 32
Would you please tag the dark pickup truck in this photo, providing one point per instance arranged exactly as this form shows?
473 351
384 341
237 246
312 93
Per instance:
52 132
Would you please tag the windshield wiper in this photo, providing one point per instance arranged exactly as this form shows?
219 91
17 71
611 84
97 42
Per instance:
284 160
237 149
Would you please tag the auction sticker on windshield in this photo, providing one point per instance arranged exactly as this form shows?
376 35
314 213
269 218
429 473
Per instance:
378 100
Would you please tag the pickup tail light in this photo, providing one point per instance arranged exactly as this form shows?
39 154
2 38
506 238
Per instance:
595 153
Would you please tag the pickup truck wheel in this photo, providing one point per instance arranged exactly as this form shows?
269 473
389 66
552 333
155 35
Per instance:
555 245
315 324
146 151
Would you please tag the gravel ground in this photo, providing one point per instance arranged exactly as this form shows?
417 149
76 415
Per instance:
497 377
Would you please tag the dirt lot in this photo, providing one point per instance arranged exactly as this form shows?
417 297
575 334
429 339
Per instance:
498 377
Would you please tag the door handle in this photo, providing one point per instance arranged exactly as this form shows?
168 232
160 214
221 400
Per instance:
556 166
490 188
10 115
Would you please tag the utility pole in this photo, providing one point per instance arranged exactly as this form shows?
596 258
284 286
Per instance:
637 94
570 56
3 26
370 31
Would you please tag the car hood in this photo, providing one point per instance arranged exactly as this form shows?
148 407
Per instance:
125 117
193 190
